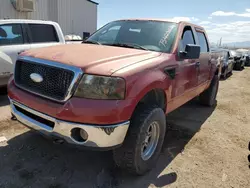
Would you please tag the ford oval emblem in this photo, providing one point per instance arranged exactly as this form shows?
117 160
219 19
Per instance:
36 77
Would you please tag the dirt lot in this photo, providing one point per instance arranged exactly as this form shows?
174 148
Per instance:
205 148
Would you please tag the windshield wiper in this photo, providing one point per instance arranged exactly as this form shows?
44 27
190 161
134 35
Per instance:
136 46
91 42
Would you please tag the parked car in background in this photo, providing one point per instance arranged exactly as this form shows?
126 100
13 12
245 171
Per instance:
247 58
17 36
113 91
238 59
225 64
243 58
216 56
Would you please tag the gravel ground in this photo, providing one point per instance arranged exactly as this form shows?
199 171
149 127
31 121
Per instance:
204 148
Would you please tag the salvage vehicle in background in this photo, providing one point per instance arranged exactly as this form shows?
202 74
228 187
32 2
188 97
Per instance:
248 59
246 56
113 91
17 36
225 62
236 56
217 56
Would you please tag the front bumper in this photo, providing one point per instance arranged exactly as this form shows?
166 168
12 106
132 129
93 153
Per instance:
105 136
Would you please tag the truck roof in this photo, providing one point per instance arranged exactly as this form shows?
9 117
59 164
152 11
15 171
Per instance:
26 21
163 20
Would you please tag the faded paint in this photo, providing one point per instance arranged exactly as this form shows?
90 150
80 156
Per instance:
108 59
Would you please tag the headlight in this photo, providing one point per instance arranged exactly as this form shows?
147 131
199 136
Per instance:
101 87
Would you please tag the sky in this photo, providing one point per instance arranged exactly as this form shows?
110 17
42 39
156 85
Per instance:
229 19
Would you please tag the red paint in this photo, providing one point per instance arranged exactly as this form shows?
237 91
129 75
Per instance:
76 109
142 70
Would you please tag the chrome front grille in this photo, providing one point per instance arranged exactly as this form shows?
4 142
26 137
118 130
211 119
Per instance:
58 80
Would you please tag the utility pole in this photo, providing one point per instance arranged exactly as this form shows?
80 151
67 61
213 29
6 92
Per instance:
220 41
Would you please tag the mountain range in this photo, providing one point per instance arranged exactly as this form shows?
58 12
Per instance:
245 44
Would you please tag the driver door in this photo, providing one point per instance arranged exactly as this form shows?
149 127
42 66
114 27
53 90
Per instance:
188 69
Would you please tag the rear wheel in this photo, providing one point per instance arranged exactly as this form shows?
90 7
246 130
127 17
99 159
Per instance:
242 65
142 146
208 97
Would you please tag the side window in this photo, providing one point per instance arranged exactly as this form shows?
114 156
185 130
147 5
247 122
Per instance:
42 33
187 38
11 34
202 41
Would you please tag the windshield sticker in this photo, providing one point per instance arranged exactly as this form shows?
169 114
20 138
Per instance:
164 40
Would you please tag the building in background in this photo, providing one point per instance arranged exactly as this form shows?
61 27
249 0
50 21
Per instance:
77 17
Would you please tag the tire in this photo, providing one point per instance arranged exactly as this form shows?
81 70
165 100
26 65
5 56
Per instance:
238 66
243 66
224 76
208 97
130 155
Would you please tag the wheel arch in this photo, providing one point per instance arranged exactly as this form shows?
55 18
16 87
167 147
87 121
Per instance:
155 96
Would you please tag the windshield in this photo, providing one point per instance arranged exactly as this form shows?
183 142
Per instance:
149 35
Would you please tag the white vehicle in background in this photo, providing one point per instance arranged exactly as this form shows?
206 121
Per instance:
18 35
73 39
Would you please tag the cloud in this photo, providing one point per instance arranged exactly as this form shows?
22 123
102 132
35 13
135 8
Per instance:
248 9
244 15
222 13
210 18
195 19
230 32
186 19
204 22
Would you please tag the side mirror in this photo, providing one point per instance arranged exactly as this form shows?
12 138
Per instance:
85 36
192 51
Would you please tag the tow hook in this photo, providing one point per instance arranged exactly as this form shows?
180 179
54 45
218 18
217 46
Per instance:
13 118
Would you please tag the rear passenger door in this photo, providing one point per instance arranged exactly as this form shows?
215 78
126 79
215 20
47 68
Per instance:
13 41
205 62
42 35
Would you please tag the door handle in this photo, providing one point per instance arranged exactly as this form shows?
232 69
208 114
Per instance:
197 64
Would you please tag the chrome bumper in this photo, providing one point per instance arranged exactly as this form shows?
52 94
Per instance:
98 136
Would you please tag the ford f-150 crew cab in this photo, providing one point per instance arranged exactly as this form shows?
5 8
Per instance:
114 90
19 35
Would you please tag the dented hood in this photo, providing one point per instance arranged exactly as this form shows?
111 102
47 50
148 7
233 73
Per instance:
94 59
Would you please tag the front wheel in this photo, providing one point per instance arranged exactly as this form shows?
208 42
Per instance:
142 146
224 75
208 97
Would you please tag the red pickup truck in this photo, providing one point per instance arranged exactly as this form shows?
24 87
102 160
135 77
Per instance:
114 90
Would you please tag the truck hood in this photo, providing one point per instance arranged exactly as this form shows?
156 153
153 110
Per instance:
94 59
